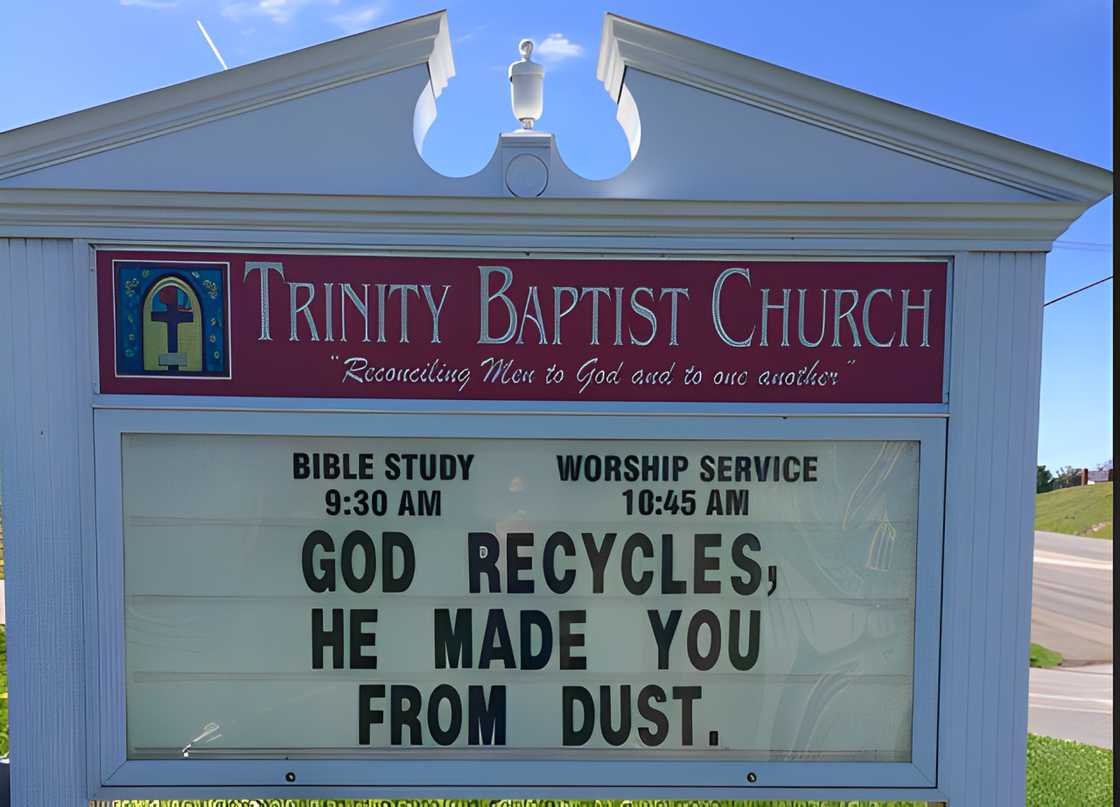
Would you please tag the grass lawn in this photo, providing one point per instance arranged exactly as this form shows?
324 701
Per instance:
1044 656
1060 772
1084 510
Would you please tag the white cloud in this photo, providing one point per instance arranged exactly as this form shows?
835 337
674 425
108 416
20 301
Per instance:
557 47
357 19
151 3
279 11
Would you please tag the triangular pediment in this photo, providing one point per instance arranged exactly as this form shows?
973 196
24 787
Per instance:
281 124
630 51
348 117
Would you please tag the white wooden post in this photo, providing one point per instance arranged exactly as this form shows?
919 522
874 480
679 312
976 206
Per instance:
995 367
47 448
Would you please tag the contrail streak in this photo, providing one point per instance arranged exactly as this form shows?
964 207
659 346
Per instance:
213 47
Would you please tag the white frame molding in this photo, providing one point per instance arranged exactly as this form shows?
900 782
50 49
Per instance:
579 226
430 775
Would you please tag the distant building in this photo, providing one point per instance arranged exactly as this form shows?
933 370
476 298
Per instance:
1102 473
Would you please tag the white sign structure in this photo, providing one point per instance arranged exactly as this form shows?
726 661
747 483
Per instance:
680 486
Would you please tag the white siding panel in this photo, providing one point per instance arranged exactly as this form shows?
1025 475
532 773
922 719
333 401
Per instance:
993 438
43 316
1017 608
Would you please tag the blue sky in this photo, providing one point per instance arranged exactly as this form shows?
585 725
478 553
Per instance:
1039 71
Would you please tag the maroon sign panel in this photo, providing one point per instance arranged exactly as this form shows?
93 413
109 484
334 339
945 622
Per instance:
361 326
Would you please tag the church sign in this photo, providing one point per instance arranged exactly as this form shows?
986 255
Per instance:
328 476
541 330
543 589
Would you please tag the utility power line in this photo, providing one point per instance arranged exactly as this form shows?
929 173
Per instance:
1073 243
1078 291
1083 246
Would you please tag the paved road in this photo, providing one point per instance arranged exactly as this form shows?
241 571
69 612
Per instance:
1073 704
1072 613
1072 602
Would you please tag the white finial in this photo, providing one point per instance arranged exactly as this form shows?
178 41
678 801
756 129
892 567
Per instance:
526 89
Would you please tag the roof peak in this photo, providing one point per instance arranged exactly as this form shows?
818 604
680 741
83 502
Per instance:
630 44
731 84
411 42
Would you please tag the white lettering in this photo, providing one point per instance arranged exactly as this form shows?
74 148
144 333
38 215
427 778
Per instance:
717 319
265 268
484 337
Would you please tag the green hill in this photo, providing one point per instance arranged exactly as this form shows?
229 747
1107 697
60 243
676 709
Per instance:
1084 510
